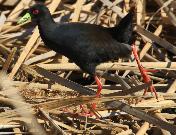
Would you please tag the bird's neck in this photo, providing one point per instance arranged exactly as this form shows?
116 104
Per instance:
46 25
46 21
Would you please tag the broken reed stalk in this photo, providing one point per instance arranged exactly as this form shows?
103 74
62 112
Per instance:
112 66
48 79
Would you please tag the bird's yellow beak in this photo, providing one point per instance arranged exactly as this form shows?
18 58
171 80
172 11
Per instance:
25 18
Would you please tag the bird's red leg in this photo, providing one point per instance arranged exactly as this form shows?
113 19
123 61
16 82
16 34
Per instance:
143 72
99 84
84 112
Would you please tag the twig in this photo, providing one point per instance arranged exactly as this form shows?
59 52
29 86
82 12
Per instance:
142 115
60 131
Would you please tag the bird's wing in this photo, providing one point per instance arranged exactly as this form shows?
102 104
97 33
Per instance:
88 46
89 42
102 45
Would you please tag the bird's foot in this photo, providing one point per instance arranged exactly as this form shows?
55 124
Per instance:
93 106
85 112
152 90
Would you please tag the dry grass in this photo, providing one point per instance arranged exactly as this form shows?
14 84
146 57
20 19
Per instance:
41 91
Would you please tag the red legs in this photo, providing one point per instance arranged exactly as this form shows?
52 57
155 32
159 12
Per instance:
84 112
143 72
99 84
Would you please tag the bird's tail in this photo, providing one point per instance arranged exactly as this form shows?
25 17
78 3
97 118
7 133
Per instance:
123 31
128 19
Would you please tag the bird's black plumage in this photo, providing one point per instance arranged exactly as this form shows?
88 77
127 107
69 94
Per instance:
87 45
124 30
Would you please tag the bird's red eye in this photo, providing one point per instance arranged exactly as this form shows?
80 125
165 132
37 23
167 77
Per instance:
35 12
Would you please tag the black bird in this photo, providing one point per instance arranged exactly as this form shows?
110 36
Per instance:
87 45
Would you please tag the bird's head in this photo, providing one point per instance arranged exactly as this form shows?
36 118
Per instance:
37 12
